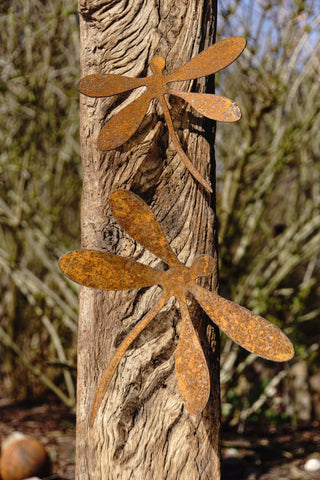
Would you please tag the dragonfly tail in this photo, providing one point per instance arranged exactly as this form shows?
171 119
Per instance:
108 373
194 172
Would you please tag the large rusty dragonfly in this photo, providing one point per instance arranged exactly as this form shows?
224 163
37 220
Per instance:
112 272
125 123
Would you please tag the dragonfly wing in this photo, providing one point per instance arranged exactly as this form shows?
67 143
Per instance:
211 106
191 366
123 125
100 85
134 215
249 330
109 272
211 60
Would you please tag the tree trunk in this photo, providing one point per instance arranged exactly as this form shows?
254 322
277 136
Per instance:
142 430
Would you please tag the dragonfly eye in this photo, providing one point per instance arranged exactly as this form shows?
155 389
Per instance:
203 266
157 64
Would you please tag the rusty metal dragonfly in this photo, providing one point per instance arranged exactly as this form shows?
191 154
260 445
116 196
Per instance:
125 123
112 272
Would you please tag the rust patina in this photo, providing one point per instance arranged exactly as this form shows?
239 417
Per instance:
112 272
124 124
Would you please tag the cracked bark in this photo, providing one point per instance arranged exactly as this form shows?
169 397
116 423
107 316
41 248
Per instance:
142 429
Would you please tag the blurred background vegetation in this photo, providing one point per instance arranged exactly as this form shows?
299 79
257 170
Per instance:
268 201
40 188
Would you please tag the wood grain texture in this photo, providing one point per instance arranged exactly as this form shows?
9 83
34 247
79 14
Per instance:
142 430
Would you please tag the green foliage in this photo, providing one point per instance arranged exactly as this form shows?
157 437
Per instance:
268 198
40 189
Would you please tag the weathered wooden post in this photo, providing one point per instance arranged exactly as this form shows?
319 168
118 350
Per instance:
143 429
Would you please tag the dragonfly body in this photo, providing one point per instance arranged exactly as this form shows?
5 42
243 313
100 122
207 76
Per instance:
178 279
124 124
112 272
157 83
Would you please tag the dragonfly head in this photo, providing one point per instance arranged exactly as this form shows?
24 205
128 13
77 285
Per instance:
202 266
157 64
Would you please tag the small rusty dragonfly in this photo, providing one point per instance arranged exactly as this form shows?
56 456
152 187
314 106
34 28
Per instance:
112 272
125 123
